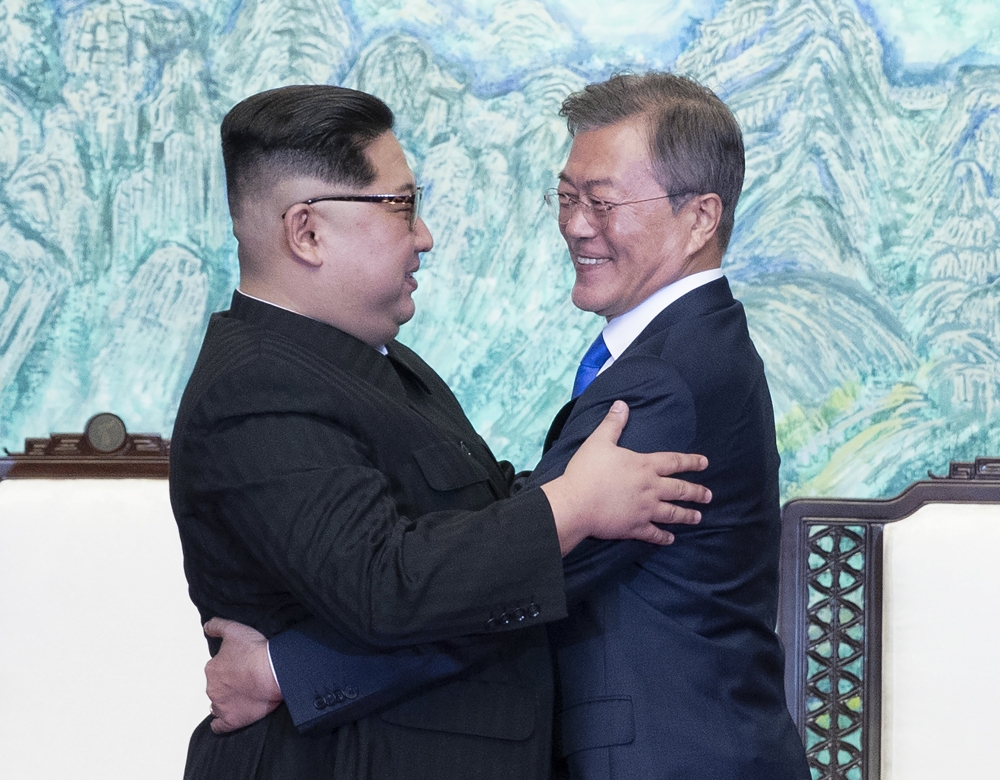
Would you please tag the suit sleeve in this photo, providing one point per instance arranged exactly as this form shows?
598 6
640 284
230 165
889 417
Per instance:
327 682
662 418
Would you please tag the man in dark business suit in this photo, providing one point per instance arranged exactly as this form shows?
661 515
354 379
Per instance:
671 667
320 470
668 663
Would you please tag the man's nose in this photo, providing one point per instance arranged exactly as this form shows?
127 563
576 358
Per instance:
579 224
424 241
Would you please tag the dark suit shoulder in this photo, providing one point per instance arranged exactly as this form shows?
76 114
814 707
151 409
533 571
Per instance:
228 344
246 368
710 310
705 347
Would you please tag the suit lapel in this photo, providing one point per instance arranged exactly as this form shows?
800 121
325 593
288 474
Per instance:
407 373
555 429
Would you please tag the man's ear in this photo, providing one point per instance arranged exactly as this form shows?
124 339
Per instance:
301 234
707 212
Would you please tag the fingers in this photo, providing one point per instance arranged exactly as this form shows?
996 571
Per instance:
665 464
218 722
217 627
670 514
650 533
221 722
221 726
666 514
668 463
613 424
210 685
680 490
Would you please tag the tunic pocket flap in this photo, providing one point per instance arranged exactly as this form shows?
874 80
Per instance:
446 467
597 723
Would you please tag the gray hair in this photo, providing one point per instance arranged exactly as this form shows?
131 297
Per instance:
695 142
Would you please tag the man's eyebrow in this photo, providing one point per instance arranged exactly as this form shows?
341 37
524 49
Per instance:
590 183
409 187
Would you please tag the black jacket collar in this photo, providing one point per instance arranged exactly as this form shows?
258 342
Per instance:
327 342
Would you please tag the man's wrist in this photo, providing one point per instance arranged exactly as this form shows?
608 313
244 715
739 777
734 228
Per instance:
570 524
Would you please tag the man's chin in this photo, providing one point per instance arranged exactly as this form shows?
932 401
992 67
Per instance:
586 300
406 312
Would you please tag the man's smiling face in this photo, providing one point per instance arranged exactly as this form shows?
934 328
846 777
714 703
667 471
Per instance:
645 246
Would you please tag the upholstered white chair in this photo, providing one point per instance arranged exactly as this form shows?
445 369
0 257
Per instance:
101 657
889 619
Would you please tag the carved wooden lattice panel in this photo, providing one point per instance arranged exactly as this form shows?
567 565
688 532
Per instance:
835 651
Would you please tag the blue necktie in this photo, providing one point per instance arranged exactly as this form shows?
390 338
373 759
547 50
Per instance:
595 357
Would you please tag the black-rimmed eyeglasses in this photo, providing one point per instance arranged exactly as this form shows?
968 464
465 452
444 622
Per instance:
413 200
596 212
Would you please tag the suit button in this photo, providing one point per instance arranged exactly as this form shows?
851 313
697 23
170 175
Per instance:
492 623
319 703
505 619
534 610
351 692
519 615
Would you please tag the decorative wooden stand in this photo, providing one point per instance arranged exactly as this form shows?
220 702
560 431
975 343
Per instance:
104 450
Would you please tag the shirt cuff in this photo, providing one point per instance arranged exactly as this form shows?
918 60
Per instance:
274 674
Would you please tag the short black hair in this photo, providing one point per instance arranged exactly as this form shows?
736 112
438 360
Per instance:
695 142
301 130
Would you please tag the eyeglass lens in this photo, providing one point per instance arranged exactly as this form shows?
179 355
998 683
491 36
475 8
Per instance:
562 207
418 199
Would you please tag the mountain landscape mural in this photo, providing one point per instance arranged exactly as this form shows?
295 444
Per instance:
866 248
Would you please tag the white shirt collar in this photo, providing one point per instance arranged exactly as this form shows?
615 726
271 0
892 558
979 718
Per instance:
622 330
264 300
381 349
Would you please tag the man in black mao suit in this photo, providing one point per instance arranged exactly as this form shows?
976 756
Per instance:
320 470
